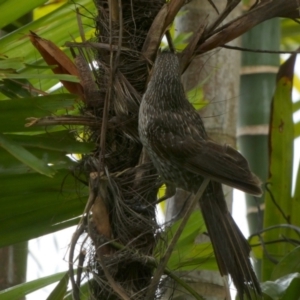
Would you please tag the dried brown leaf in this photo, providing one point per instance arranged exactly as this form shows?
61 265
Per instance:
56 57
261 12
161 22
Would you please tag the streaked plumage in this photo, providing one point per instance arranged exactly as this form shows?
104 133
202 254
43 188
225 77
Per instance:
174 136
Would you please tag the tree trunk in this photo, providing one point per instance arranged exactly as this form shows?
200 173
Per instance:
222 68
13 262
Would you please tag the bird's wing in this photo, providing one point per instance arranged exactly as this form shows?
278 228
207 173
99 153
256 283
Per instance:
183 145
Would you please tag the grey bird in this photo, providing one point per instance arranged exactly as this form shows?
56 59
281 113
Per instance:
174 136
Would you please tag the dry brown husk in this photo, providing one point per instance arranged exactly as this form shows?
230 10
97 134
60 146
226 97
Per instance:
119 219
123 184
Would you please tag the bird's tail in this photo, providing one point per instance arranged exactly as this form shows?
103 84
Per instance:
230 246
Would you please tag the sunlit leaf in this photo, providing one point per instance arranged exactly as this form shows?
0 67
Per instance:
47 8
256 250
13 9
49 27
296 197
196 97
297 129
11 63
296 106
281 143
70 78
296 82
290 39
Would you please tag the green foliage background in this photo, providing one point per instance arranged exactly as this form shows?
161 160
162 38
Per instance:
38 194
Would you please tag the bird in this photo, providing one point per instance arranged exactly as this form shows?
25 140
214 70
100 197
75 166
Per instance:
173 134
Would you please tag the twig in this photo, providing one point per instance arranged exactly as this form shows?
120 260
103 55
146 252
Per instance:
81 259
295 228
183 284
27 86
268 255
276 204
289 226
213 6
97 45
79 22
161 22
79 230
228 9
258 50
170 41
287 219
263 11
150 261
113 11
62 120
120 13
75 237
113 284
163 263
283 240
107 98
187 54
